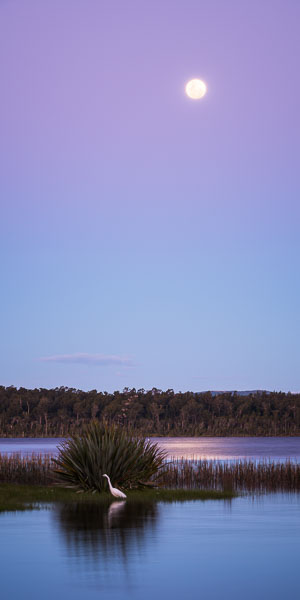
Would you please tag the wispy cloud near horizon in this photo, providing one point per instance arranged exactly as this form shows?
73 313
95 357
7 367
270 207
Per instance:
99 360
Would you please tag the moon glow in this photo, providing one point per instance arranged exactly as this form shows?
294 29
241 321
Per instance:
195 89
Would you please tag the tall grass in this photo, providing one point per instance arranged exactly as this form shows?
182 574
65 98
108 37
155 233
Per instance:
241 475
34 469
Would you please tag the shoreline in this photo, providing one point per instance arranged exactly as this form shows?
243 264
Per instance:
16 497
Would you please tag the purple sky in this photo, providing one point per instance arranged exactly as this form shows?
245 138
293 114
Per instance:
148 239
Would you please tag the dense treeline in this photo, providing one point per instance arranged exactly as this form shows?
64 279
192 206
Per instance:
61 411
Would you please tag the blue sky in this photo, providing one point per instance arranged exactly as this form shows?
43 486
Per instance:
147 239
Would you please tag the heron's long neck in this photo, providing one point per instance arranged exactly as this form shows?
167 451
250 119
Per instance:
110 486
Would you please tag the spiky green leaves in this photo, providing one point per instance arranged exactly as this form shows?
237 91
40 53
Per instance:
130 461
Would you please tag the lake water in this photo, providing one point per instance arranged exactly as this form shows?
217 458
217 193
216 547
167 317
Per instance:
204 447
245 548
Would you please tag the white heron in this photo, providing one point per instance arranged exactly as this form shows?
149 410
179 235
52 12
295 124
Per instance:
116 493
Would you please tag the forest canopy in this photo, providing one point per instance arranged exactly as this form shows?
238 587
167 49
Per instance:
62 411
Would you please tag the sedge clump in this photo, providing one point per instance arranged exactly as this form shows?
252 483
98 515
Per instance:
130 461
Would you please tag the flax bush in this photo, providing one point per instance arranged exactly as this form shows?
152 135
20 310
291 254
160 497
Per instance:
130 461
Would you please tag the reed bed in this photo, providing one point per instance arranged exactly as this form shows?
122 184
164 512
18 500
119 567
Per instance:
240 475
33 469
195 474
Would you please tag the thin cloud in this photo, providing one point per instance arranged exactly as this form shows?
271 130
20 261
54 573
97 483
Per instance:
98 360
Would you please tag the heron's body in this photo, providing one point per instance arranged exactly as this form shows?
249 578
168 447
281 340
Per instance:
116 493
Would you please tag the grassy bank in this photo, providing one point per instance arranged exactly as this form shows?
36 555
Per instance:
24 497
193 475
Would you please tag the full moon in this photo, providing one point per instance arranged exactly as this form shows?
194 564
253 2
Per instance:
195 89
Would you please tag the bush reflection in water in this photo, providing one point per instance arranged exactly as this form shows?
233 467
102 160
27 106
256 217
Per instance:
106 531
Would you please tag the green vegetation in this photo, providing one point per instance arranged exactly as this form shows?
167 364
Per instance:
63 411
240 475
31 470
130 461
176 475
24 497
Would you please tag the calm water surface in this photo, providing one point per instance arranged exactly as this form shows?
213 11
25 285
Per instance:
246 548
219 448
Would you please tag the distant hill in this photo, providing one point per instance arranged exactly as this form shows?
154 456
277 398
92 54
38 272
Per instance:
62 411
238 392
